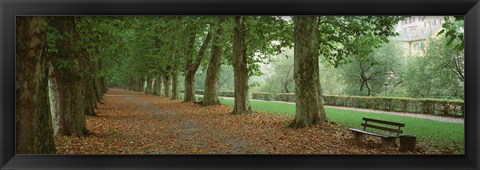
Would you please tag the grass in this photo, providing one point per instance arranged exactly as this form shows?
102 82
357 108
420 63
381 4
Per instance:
429 133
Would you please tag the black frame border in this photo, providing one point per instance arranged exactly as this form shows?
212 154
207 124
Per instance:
10 8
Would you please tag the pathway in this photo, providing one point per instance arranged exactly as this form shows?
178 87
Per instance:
136 123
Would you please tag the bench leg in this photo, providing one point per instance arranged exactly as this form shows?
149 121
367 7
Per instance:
358 135
389 142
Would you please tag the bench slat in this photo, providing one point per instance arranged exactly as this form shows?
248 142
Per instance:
371 133
382 128
384 122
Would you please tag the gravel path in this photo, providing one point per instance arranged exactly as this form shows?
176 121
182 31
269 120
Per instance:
136 123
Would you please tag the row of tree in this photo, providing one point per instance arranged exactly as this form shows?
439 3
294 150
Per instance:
64 56
437 71
182 45
58 79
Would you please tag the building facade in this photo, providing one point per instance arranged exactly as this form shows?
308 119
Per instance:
415 30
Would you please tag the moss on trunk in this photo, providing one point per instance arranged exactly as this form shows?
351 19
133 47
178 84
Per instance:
240 70
210 96
309 103
34 134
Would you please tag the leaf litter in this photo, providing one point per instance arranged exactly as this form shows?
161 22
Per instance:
137 123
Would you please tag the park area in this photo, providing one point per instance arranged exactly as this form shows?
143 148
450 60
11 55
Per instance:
136 123
240 85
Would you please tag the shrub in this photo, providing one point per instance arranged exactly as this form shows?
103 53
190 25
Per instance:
226 93
453 108
287 97
262 96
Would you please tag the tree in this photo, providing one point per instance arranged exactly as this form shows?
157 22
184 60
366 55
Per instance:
309 104
66 79
455 43
339 38
255 40
436 74
213 73
281 80
240 70
367 75
34 133
192 63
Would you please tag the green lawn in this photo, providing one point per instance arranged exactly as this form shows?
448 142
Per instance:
429 133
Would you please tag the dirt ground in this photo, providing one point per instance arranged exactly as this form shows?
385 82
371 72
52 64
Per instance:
135 123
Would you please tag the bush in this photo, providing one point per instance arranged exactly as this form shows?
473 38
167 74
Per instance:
287 97
453 108
262 96
226 93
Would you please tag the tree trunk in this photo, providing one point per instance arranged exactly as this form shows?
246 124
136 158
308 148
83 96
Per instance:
213 72
148 89
191 67
104 85
309 103
175 58
240 70
175 90
157 88
98 93
89 96
67 102
166 85
34 133
141 84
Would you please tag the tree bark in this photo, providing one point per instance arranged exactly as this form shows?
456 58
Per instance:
158 85
166 85
175 90
89 96
67 102
191 67
309 102
34 133
240 70
141 84
210 96
149 88
176 60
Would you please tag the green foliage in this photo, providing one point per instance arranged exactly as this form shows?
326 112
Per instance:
280 79
437 74
453 31
344 36
265 37
367 75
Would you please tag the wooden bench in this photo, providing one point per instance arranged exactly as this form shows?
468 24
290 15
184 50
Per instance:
388 139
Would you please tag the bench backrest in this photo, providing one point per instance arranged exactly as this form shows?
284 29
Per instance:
397 131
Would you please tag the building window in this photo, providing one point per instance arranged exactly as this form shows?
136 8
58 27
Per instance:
418 46
434 22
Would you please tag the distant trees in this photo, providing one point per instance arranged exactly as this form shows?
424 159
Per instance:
437 74
367 76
